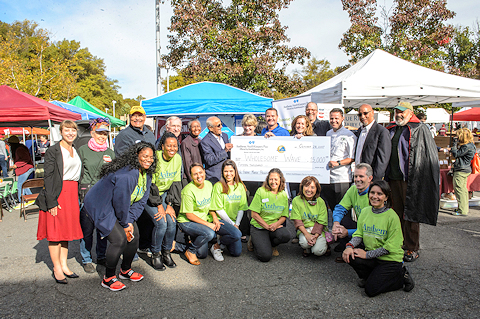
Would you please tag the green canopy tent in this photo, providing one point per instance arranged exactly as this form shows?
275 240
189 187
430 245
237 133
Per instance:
81 103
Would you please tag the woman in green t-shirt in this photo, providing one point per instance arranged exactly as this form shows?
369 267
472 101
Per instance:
269 211
166 186
309 215
199 222
380 264
229 201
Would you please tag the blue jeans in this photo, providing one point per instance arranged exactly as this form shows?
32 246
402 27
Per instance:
201 235
20 180
3 166
163 232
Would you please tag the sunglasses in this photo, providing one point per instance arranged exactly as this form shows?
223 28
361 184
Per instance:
219 125
363 113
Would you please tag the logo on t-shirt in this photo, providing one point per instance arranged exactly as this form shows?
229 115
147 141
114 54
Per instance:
107 158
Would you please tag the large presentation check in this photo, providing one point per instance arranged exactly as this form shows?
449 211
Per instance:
296 158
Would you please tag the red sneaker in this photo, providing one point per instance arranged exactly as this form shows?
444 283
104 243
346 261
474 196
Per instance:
130 274
113 283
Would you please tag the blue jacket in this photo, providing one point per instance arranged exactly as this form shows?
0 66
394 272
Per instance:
213 156
109 200
130 136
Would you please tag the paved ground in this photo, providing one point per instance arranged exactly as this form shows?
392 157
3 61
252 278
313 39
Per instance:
290 286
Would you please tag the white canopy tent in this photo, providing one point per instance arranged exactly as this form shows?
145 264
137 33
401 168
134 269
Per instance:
381 80
437 115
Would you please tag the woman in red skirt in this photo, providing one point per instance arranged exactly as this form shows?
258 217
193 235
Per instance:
59 218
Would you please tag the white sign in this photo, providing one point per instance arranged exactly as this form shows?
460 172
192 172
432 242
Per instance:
296 158
354 121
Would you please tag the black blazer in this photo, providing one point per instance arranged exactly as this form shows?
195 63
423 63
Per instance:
53 180
376 149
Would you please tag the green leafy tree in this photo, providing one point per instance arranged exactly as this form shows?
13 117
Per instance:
242 44
316 72
415 30
464 52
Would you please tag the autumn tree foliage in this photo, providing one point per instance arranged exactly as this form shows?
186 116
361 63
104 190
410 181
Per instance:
464 52
242 44
414 30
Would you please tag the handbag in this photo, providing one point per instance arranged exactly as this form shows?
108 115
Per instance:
82 191
475 164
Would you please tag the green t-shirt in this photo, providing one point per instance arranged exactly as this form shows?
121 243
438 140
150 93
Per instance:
352 199
381 230
196 201
231 203
309 214
167 172
140 189
270 206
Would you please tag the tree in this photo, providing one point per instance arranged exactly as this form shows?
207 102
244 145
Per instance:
414 31
464 52
316 72
242 44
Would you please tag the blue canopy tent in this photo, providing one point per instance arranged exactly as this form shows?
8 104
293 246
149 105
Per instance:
206 98
86 115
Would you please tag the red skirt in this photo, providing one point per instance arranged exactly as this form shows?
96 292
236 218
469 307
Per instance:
65 226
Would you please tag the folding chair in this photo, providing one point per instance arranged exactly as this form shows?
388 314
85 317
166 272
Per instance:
31 183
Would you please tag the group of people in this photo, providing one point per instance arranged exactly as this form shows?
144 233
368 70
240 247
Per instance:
192 186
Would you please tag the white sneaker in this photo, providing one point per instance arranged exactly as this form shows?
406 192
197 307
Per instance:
216 253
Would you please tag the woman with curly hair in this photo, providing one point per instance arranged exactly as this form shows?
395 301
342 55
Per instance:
301 127
269 211
115 203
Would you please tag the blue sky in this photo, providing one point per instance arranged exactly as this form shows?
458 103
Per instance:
123 32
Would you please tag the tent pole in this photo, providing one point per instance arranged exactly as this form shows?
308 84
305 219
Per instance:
50 129
451 129
33 151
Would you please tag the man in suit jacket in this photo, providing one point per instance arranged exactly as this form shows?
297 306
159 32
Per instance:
215 149
373 143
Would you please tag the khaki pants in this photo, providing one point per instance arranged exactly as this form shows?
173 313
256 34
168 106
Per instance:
461 191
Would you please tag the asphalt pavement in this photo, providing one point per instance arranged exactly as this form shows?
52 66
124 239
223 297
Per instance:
446 275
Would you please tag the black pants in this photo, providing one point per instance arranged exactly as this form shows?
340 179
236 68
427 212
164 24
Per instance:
381 276
332 194
119 245
263 240
87 228
348 223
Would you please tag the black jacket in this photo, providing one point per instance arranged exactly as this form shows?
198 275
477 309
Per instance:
53 179
376 149
463 157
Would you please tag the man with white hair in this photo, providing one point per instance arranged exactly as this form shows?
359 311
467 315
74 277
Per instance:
173 125
413 174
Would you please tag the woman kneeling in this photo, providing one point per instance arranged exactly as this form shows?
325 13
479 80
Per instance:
380 265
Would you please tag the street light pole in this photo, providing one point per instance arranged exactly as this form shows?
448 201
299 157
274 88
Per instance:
114 102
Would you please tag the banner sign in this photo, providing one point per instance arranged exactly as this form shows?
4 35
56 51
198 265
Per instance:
296 158
288 109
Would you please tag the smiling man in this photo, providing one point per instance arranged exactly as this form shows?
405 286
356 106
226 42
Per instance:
319 127
134 133
273 128
357 198
413 174
341 156
215 149
373 143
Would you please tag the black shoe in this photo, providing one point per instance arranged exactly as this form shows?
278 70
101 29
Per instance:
73 275
157 263
61 281
167 259
102 261
361 283
408 283
89 268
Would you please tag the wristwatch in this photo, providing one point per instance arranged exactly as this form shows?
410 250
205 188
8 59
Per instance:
339 163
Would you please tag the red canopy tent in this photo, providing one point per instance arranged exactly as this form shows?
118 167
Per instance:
472 114
21 109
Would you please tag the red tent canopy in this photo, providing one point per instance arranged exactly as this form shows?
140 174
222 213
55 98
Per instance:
22 130
468 115
21 109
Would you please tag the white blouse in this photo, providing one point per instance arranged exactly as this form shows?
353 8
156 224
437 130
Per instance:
72 166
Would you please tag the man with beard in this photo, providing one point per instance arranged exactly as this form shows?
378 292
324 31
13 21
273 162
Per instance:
273 128
413 174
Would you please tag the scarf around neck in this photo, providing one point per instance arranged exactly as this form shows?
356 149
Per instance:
94 146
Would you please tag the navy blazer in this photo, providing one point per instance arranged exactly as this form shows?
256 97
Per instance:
213 156
376 149
109 200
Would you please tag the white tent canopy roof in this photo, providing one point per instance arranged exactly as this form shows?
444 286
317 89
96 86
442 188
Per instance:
437 115
381 80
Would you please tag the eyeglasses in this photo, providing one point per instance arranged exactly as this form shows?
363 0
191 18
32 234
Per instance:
363 113
219 125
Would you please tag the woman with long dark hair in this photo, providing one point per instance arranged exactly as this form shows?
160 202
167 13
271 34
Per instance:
59 217
229 202
115 203
380 265
269 211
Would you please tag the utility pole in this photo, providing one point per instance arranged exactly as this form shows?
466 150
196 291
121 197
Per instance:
158 47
